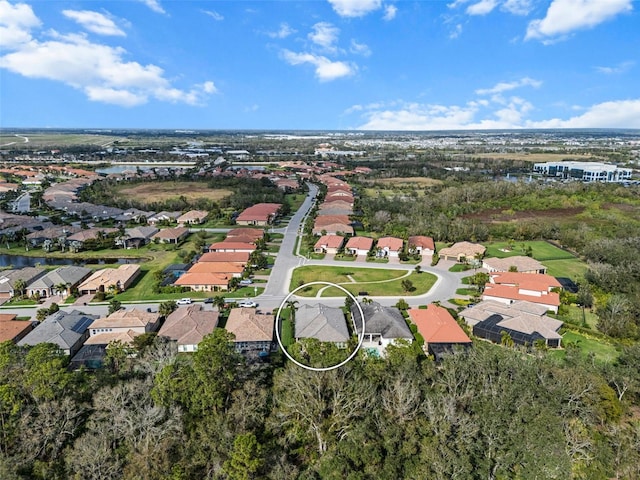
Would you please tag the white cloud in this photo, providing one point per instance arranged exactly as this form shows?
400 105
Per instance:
517 7
390 12
620 68
566 16
94 22
326 70
612 114
154 5
360 48
355 8
213 14
456 32
325 35
483 7
100 71
283 32
506 86
16 22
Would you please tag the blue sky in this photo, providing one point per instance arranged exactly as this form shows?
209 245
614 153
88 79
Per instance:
325 64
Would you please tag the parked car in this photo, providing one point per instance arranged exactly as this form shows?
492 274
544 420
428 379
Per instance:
247 304
246 281
208 300
184 301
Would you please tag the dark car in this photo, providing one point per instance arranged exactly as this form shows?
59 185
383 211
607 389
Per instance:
208 300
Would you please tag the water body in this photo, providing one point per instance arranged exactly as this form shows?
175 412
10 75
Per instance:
20 261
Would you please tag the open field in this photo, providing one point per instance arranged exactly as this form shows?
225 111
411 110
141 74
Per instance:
159 191
57 139
533 157
559 263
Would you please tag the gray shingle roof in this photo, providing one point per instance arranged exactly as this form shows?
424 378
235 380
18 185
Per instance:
323 323
379 320
63 329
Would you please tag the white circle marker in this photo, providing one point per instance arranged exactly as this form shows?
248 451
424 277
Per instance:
360 337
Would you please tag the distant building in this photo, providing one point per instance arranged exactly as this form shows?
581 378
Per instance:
518 263
584 171
462 252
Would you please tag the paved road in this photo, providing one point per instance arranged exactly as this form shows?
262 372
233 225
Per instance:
22 204
287 260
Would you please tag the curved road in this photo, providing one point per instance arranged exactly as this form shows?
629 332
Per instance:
286 261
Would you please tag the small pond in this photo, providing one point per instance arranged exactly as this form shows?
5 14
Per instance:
19 261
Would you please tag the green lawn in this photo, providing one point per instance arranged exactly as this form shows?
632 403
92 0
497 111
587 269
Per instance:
559 263
389 282
602 351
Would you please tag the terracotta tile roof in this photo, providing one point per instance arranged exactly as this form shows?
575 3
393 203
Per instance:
250 326
192 215
392 243
259 212
361 243
189 325
216 267
538 282
235 257
202 278
110 276
10 328
90 234
232 246
330 219
436 325
514 293
329 241
106 338
422 241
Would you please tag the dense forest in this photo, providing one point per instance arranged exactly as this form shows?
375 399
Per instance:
489 413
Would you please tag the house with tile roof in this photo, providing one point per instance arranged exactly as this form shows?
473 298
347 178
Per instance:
260 214
389 247
519 263
68 330
163 217
326 324
48 285
525 322
244 232
204 281
253 331
510 287
192 217
359 246
122 325
240 258
462 251
384 326
333 229
187 326
421 245
231 247
137 236
171 235
329 244
12 330
331 219
439 329
230 269
101 280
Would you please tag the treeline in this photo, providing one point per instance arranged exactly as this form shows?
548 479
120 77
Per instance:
490 413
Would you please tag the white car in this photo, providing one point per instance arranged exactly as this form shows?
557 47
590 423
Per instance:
247 304
183 301
246 281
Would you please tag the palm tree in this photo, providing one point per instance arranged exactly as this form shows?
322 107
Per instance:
19 286
292 305
61 288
